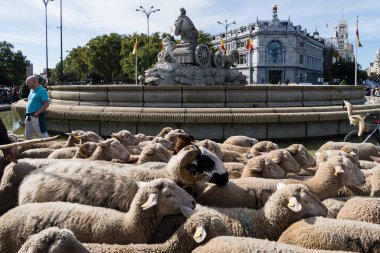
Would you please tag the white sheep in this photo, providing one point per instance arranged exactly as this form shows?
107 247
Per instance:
154 152
263 166
224 155
73 139
36 153
89 136
263 147
367 165
290 203
333 234
84 150
254 192
364 151
110 150
361 209
224 244
199 228
370 188
334 205
164 142
109 185
285 160
235 148
241 140
302 156
153 200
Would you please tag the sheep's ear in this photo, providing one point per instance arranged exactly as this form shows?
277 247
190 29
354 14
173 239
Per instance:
152 201
280 186
338 169
200 234
141 184
187 211
294 205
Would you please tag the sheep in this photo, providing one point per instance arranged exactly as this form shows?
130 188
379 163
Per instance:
364 151
234 169
142 137
224 155
301 155
324 155
198 229
263 147
73 139
263 166
223 244
36 153
153 200
89 136
164 142
110 150
290 203
334 205
172 135
367 165
361 209
254 192
241 140
182 141
84 150
238 149
110 185
154 152
164 132
53 240
285 160
333 234
370 188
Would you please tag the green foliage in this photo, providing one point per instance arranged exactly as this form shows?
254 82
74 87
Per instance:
205 38
346 71
12 65
24 90
343 82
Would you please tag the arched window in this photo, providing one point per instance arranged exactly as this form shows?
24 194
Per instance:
275 52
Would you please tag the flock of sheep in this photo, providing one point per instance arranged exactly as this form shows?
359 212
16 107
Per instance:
171 193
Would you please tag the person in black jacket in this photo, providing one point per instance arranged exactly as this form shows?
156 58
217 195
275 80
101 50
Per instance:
4 139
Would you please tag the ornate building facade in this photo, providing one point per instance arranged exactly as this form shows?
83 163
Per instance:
374 67
340 38
282 52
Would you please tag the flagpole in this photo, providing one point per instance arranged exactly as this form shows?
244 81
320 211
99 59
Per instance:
356 63
136 68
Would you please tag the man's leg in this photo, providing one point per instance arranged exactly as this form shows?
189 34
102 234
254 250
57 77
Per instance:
29 129
36 127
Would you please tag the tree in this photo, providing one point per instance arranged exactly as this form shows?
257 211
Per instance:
12 65
205 38
346 71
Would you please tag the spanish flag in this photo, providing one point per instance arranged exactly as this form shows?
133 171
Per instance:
357 33
135 47
222 46
249 45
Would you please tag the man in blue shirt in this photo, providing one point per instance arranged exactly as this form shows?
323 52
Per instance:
38 102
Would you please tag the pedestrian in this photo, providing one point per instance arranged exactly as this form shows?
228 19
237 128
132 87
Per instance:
4 139
38 102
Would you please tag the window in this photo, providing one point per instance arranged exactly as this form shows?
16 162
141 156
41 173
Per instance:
275 52
242 59
301 59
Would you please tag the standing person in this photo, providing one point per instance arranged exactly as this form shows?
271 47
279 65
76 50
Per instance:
4 139
38 102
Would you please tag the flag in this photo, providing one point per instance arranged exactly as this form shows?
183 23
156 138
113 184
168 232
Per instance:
357 33
171 29
222 46
135 47
249 45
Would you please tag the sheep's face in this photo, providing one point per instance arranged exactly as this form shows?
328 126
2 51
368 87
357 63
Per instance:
263 166
285 160
114 150
300 154
204 225
141 137
126 138
349 174
352 151
87 149
164 142
156 152
301 201
167 196
325 155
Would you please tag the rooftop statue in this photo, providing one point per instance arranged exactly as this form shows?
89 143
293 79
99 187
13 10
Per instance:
185 28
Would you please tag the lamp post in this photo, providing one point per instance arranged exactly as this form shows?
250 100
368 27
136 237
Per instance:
147 13
47 64
226 25
60 27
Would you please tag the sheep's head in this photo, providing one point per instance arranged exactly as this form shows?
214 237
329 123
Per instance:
263 147
87 149
325 155
125 137
154 152
212 146
89 136
53 239
283 158
352 151
202 226
164 142
300 200
263 166
165 195
241 140
196 164
141 137
113 150
182 141
302 156
164 131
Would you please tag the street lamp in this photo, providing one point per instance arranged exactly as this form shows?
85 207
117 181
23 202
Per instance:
47 64
226 25
60 27
147 13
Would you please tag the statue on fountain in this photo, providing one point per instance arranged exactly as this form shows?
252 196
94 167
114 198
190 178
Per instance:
185 28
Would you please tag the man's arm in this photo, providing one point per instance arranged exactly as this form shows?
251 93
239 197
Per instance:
42 109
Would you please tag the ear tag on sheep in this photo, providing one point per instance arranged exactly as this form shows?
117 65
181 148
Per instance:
280 186
338 169
199 235
352 153
294 205
152 200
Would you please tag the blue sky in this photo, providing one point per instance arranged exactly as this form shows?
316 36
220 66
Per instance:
22 22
